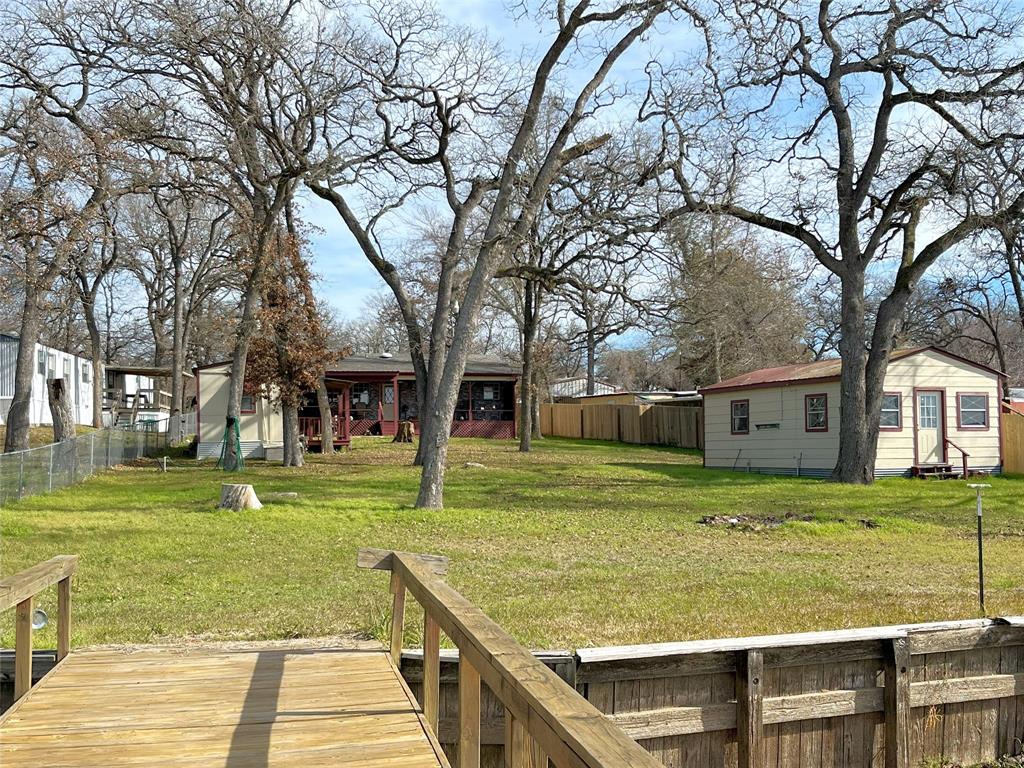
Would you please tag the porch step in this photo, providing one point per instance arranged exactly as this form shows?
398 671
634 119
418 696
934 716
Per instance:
935 471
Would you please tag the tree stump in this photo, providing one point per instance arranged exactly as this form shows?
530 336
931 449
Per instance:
238 496
405 432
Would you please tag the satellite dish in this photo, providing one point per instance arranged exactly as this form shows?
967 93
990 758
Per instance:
39 618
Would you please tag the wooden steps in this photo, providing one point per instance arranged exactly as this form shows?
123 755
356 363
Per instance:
216 707
935 472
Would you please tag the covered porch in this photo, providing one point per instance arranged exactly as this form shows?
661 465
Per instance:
374 404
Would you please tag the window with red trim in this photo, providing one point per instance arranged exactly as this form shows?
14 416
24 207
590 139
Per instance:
972 410
248 404
740 417
892 411
816 413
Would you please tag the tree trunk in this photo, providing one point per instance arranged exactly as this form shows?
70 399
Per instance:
591 360
61 412
236 496
19 415
96 358
293 453
535 404
174 425
326 418
526 381
852 464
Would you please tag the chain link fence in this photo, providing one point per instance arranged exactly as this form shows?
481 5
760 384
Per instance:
44 469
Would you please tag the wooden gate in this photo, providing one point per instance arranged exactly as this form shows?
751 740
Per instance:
1013 443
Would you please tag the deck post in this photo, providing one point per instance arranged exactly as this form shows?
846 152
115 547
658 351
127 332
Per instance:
63 618
397 617
431 670
896 708
469 714
394 401
750 709
23 648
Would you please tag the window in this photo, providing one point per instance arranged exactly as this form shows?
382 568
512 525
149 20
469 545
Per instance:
972 410
51 366
67 370
740 417
85 373
248 404
892 411
928 410
41 362
816 413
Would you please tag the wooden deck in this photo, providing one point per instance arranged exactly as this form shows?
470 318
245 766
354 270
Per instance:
232 708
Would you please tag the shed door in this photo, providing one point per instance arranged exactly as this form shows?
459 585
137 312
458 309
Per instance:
928 427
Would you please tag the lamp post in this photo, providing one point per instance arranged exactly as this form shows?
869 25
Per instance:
981 552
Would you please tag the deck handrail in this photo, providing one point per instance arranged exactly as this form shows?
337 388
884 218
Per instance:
545 719
964 455
19 592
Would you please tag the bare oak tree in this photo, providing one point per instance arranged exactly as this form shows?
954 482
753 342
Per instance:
859 120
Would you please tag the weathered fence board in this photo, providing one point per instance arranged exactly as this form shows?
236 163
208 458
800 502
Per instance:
678 426
880 697
1013 442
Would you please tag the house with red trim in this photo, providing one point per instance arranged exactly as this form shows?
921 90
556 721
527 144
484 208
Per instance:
940 415
367 395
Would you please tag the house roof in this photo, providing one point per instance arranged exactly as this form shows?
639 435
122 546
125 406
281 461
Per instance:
820 370
143 370
476 365
576 386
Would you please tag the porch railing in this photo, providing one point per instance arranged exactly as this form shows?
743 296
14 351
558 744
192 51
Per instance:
964 455
19 592
546 721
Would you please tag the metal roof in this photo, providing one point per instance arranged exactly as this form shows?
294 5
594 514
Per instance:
817 371
402 363
576 386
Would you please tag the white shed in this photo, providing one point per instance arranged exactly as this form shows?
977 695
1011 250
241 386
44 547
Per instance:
939 411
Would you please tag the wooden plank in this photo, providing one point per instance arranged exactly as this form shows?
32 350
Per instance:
382 560
750 710
23 648
63 617
431 669
28 583
469 716
397 618
897 704
570 730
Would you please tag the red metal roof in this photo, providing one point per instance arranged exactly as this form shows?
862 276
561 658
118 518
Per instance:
820 370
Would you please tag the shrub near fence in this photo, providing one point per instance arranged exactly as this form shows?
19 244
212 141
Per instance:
49 467
679 426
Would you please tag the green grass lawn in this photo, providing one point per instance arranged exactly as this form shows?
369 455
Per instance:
576 544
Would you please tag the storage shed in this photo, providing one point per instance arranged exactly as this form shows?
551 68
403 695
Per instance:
940 413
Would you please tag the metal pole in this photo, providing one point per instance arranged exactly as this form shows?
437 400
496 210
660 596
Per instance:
21 476
981 551
50 485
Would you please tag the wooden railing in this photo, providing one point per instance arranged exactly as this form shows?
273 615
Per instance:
546 721
19 592
964 455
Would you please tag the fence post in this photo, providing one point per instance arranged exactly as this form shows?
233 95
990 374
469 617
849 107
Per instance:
92 451
21 476
110 433
50 482
897 703
750 709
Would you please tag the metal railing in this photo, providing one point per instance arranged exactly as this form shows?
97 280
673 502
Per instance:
57 465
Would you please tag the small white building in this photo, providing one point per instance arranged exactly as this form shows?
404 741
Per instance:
937 407
49 363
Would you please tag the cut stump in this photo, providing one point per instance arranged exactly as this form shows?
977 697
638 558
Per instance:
238 496
404 432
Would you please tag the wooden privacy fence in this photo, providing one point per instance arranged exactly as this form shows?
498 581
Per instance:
881 697
680 426
1013 442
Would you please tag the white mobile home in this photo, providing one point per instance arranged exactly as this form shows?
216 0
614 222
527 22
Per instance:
49 363
939 412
